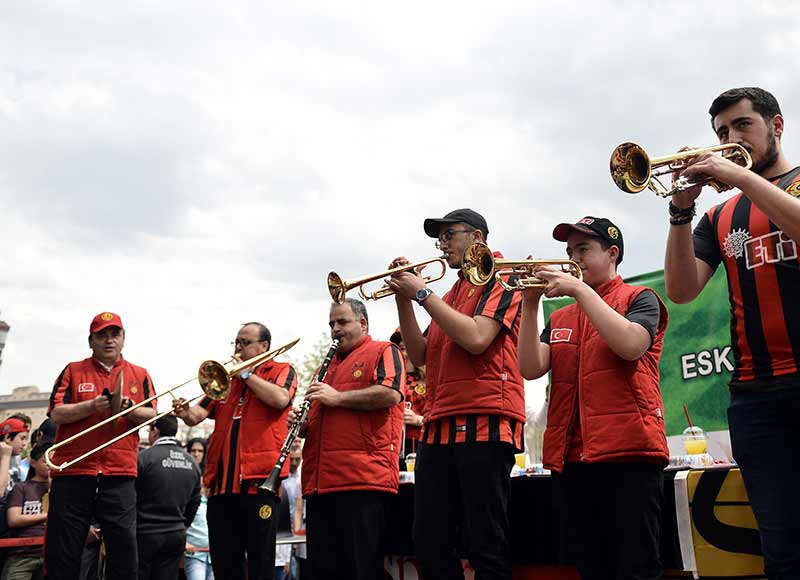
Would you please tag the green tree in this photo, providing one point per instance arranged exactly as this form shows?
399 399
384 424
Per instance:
309 363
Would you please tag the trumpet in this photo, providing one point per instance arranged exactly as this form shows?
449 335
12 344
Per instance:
480 266
214 379
633 170
339 287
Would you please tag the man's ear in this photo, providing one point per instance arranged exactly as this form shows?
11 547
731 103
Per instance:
613 253
777 125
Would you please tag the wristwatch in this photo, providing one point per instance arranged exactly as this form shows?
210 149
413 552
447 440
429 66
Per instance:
246 374
422 295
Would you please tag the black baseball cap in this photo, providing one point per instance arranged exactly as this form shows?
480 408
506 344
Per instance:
456 216
593 226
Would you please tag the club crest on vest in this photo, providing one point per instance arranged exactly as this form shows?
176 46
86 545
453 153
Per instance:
264 512
794 189
358 369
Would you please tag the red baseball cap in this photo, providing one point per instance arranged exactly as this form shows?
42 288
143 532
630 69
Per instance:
12 426
104 320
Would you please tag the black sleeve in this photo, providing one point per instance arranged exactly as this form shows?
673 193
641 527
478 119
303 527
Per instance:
705 243
645 310
545 336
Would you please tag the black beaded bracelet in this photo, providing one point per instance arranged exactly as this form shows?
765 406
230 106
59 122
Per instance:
679 212
681 221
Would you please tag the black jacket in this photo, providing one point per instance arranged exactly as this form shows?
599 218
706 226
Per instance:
167 488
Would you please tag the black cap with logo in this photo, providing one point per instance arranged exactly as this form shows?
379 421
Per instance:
466 216
593 226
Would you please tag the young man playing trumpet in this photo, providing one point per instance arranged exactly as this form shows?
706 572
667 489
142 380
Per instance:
475 409
754 235
605 432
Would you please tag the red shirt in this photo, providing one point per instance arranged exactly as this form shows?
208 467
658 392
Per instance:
476 398
763 271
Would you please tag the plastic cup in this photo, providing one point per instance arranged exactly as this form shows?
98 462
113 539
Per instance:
411 459
519 460
695 441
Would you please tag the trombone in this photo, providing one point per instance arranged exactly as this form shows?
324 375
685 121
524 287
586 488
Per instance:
480 266
633 170
339 287
214 379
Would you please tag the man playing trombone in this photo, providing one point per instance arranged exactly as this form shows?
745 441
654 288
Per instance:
754 235
102 485
249 426
475 409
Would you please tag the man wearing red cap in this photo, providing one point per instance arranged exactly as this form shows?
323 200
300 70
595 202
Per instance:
605 434
13 438
101 486
474 412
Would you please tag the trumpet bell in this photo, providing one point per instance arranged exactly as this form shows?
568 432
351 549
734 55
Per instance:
337 287
630 167
478 264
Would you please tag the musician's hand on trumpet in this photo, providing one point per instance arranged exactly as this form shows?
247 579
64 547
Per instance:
404 284
559 283
721 169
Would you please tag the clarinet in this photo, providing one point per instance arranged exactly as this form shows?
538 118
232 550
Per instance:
270 485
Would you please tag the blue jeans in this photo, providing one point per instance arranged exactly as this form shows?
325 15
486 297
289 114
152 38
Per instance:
765 436
197 569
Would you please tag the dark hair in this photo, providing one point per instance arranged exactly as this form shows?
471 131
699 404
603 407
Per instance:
47 430
167 425
764 103
605 245
263 332
358 308
204 443
39 449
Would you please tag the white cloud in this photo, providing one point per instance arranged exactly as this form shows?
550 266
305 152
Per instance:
193 166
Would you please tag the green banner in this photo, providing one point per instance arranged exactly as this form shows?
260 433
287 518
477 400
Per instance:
697 361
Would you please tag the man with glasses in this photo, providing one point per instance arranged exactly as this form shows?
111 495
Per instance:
102 485
475 408
249 427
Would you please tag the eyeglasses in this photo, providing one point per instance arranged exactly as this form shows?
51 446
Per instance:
243 343
447 235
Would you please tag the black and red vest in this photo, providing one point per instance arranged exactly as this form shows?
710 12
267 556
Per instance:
84 381
458 382
346 449
261 432
620 408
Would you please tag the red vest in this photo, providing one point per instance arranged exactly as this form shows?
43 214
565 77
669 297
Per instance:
347 449
458 382
262 430
620 407
83 381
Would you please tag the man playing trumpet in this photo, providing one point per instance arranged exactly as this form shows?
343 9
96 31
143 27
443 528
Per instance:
605 432
754 235
249 426
475 409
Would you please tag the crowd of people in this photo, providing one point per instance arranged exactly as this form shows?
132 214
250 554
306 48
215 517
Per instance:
452 394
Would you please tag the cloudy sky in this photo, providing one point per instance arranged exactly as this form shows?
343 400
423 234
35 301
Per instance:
193 166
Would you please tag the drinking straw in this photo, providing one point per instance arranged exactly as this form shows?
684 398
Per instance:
685 410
